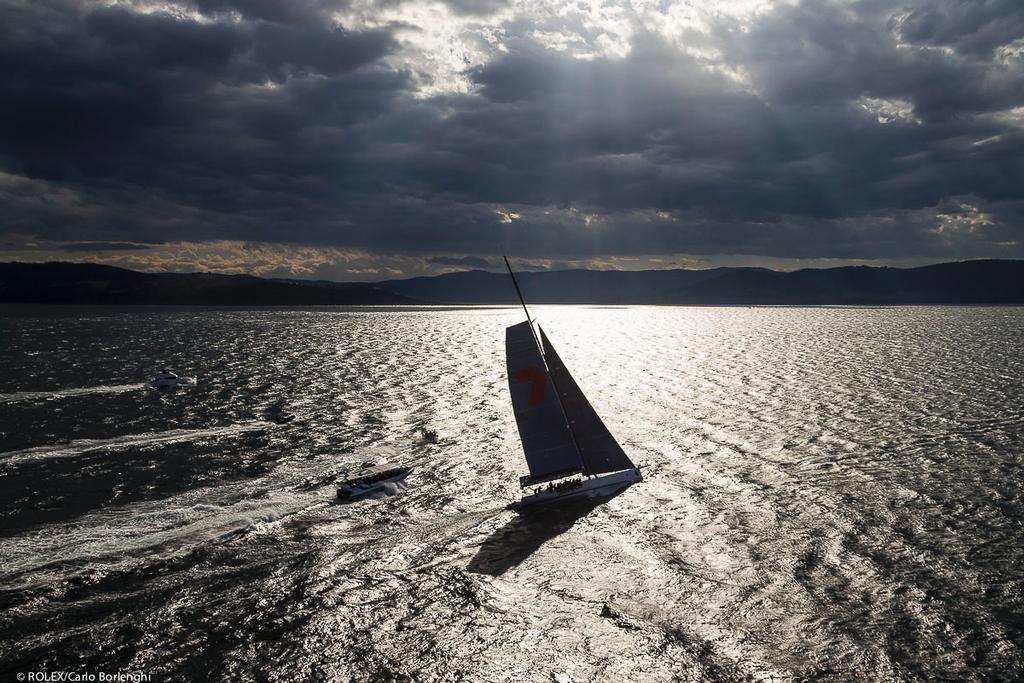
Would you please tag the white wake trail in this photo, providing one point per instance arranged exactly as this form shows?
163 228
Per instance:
20 396
113 537
80 446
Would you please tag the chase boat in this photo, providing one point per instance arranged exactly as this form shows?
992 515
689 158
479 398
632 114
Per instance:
371 481
165 379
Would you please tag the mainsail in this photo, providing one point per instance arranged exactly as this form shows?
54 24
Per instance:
598 449
547 440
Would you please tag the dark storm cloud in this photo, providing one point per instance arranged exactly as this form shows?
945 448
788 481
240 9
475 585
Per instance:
623 134
111 93
852 130
813 53
969 27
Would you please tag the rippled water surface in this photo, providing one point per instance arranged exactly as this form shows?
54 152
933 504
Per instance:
829 494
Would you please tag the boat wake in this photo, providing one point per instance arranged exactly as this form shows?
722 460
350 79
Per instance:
435 541
20 396
80 446
136 533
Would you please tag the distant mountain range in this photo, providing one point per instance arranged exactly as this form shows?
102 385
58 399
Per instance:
86 283
966 282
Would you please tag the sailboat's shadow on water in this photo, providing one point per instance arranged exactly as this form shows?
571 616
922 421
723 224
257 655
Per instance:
514 542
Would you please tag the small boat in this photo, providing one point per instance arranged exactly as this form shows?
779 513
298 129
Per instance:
165 379
371 481
282 418
567 445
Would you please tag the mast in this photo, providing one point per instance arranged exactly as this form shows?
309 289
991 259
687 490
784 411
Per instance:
547 368
515 282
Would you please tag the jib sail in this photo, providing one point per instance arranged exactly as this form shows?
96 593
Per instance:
598 449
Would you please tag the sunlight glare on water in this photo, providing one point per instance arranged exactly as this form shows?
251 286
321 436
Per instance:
828 493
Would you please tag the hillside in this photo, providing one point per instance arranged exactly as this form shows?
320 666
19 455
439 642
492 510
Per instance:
967 282
84 283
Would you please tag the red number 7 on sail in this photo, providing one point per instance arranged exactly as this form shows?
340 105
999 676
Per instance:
537 379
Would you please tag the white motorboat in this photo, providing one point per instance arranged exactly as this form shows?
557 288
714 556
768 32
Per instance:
165 379
567 445
372 480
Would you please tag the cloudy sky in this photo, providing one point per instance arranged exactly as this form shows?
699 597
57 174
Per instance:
363 139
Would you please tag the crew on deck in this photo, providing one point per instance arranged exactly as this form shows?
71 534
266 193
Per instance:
565 485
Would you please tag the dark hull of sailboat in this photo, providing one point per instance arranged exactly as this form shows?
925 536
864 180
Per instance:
604 485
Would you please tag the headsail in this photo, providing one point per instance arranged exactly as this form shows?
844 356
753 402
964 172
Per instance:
598 449
543 430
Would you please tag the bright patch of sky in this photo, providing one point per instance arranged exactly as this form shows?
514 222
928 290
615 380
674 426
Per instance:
889 110
440 44
967 219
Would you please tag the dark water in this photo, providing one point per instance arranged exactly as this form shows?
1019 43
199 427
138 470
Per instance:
830 494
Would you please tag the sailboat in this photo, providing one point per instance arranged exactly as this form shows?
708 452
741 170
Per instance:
569 451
